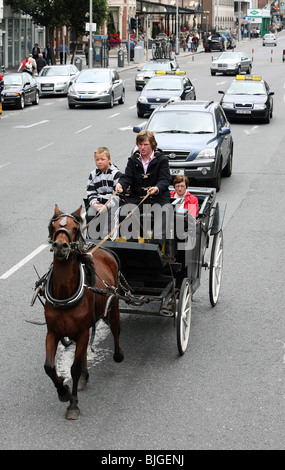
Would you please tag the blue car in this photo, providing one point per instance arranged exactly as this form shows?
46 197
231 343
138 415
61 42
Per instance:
196 137
163 87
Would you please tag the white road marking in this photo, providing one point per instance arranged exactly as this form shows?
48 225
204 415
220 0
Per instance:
128 128
23 262
132 107
31 125
113 115
45 146
251 131
84 129
5 164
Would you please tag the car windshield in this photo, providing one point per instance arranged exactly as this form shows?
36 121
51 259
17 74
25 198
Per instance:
54 71
269 36
164 84
156 66
90 76
229 55
246 88
12 79
184 122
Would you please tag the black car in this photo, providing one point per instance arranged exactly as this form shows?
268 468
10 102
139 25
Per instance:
213 44
163 87
19 89
248 97
196 137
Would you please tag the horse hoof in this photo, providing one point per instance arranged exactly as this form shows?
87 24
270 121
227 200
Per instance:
66 395
72 414
118 357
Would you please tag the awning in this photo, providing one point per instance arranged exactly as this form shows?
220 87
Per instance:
148 7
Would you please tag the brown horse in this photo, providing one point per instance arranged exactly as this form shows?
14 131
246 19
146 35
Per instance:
71 308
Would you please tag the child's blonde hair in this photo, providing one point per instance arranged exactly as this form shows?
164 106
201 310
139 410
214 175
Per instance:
103 150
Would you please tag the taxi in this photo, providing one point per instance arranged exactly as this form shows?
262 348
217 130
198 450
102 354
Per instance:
163 87
248 97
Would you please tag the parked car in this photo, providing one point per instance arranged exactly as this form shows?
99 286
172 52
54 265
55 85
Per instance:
98 86
231 63
19 90
248 97
215 44
149 69
269 39
56 79
196 137
163 87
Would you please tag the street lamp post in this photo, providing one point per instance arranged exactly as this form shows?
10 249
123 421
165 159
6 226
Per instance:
177 32
90 55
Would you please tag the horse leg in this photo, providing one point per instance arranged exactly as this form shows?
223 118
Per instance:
76 371
51 347
82 383
115 328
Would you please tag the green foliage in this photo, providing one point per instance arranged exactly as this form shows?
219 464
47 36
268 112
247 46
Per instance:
56 13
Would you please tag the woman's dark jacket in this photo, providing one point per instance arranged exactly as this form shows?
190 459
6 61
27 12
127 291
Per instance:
158 174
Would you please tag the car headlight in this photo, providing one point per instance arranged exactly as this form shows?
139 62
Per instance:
206 153
139 77
11 94
72 90
227 105
61 83
142 99
103 92
259 106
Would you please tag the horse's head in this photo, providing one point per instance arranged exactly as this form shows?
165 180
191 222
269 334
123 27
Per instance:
64 233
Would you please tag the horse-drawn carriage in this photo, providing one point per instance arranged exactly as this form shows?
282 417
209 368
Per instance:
97 280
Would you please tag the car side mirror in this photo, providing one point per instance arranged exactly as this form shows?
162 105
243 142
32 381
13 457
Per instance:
225 131
137 129
221 91
271 93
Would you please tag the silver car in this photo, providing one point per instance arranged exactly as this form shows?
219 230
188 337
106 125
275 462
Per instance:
56 79
269 39
98 86
231 63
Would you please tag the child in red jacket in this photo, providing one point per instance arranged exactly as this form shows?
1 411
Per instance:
184 198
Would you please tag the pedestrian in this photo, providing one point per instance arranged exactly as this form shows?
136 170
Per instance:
195 42
47 54
132 48
36 51
41 63
100 188
189 42
26 65
34 64
60 50
224 42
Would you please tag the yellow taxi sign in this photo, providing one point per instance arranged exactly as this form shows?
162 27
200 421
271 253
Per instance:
256 78
164 72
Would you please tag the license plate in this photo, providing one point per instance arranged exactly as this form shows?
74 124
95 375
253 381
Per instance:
47 88
176 171
152 106
243 111
87 97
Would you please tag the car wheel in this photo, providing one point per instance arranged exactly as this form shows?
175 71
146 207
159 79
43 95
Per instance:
213 73
238 71
217 181
71 106
227 171
122 99
249 69
21 104
37 98
140 115
111 104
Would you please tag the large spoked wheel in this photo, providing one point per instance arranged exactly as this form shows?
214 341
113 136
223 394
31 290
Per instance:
183 316
216 268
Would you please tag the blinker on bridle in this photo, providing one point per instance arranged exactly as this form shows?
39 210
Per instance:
62 224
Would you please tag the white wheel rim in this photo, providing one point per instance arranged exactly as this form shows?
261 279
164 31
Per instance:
185 322
217 268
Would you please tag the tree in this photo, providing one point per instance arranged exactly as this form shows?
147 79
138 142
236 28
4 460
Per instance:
56 13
